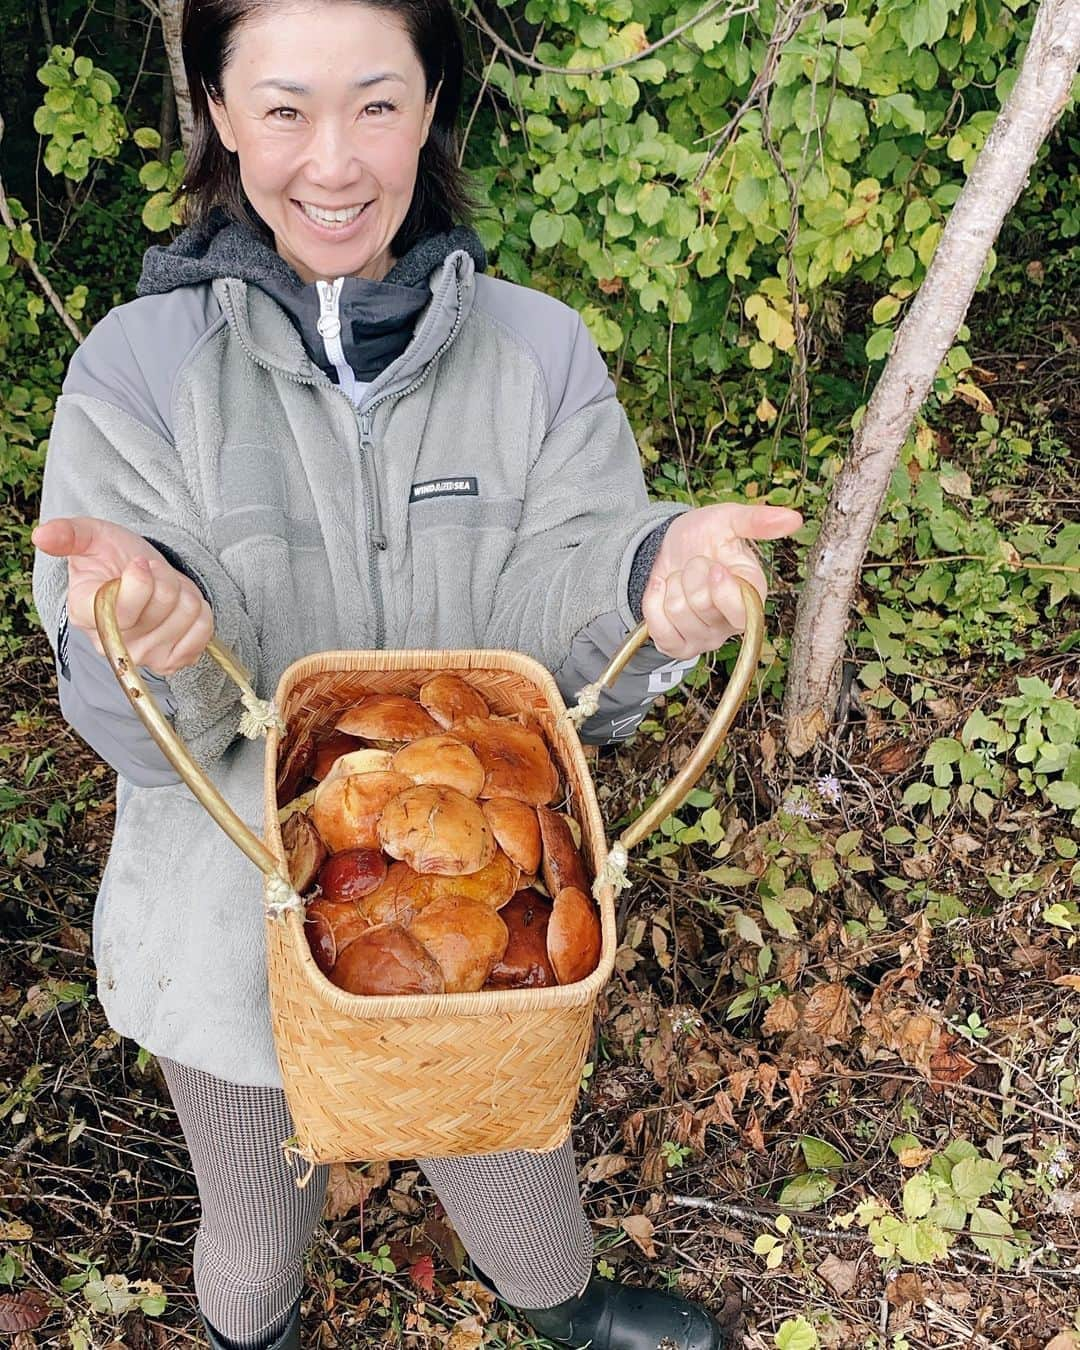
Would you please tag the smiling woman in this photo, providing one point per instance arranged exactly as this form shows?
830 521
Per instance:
359 162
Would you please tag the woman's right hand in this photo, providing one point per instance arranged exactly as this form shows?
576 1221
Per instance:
163 617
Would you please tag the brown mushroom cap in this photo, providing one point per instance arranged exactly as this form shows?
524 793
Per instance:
294 766
330 928
515 759
387 717
465 936
304 850
563 864
406 892
443 760
328 751
573 937
347 810
352 874
525 963
436 829
516 830
365 760
449 698
387 960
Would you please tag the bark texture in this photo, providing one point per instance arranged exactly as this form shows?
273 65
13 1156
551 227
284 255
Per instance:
171 11
922 341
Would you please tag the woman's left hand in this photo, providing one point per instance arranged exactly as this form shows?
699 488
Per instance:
692 601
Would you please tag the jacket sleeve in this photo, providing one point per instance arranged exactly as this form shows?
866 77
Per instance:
565 592
105 460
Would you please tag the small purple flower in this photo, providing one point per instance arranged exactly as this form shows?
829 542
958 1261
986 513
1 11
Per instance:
798 807
828 789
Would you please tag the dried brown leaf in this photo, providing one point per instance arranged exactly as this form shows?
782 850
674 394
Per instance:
894 758
906 1288
753 1133
347 1187
828 1013
948 1065
782 1015
640 1231
604 1165
23 1311
838 1274
468 1334
1068 981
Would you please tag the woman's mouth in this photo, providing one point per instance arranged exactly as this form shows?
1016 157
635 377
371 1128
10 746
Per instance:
339 221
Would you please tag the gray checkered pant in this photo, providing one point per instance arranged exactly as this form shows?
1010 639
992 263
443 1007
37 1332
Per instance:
518 1214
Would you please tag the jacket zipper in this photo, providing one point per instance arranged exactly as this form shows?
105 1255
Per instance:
365 422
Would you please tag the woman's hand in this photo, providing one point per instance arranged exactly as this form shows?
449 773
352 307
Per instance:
692 602
162 615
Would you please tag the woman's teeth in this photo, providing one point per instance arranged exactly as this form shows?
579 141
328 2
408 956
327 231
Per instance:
340 217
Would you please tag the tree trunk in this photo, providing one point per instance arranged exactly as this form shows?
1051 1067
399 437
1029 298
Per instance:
835 562
167 120
170 31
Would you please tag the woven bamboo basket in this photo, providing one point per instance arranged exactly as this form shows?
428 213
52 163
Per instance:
397 1077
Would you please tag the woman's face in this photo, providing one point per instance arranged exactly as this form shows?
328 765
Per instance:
325 107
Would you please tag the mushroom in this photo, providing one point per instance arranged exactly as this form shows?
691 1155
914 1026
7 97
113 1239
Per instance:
294 766
302 803
331 927
563 864
365 760
441 759
448 698
304 850
329 750
515 759
387 960
516 830
347 810
387 717
525 963
407 892
573 936
436 829
465 936
352 874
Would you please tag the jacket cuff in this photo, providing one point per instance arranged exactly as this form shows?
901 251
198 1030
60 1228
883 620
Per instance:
641 567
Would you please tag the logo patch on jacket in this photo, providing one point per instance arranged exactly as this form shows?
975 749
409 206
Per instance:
443 487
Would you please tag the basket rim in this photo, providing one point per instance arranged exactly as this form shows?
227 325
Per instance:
482 1003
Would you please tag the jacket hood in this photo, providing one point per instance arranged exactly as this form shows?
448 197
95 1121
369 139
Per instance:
376 319
220 246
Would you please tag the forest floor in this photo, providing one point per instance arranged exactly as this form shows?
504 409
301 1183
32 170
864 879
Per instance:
741 1116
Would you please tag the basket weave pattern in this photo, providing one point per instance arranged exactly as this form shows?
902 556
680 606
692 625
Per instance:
406 1076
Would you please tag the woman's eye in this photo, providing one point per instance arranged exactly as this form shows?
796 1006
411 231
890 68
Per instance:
284 114
378 109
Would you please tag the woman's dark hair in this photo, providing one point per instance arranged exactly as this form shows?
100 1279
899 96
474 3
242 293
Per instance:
441 196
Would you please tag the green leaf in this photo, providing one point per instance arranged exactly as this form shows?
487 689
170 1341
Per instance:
546 229
747 928
83 67
809 1191
777 917
157 213
993 1234
878 344
796 1334
972 1178
885 309
917 215
819 1155
147 138
918 1195
153 175
824 874
726 875
761 355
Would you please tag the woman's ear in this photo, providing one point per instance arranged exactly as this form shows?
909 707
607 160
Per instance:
429 113
220 119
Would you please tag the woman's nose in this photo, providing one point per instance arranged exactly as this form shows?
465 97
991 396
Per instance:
332 161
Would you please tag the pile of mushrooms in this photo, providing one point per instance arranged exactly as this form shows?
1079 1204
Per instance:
421 837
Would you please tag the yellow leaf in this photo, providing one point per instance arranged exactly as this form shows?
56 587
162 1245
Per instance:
766 410
973 396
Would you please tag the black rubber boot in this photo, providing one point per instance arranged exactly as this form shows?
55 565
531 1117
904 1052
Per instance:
611 1316
288 1339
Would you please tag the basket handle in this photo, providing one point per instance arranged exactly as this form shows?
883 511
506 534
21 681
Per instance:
680 787
258 717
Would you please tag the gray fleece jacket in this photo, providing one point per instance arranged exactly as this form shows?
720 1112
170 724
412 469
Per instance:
482 490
